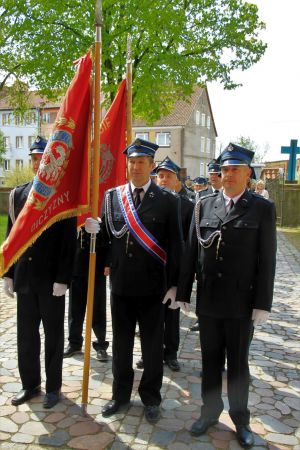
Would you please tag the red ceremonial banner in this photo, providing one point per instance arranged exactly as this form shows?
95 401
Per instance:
61 187
112 143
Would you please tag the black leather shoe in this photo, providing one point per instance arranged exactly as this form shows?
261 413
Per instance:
112 407
140 364
71 351
173 364
195 327
244 436
201 426
102 355
51 398
152 413
24 395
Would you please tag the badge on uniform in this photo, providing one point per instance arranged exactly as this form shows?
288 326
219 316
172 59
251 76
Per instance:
151 194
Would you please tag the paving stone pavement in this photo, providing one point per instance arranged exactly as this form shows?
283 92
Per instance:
274 390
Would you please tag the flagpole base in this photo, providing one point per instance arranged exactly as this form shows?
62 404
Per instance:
84 409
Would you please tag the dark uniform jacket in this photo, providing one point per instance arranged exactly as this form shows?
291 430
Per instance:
49 259
236 273
82 255
133 271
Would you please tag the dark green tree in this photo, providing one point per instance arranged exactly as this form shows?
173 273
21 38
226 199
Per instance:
175 44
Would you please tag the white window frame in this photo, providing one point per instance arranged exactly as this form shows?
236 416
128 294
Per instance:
208 144
208 122
202 144
30 140
46 117
6 141
19 164
19 141
203 118
7 164
142 135
6 119
197 117
166 138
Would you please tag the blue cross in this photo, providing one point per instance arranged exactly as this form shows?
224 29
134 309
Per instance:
292 150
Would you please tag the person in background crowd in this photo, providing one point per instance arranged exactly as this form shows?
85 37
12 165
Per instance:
235 232
199 183
78 298
260 189
141 224
40 278
167 177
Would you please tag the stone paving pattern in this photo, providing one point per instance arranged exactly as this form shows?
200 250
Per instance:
274 390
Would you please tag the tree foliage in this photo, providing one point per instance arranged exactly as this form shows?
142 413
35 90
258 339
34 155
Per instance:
247 142
175 44
2 148
18 176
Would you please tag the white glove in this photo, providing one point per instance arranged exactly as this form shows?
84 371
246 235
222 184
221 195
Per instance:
9 287
171 295
92 225
185 307
59 289
259 316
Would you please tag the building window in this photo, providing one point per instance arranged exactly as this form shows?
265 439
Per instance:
30 118
19 163
30 141
207 145
6 141
202 144
46 117
201 169
208 122
197 117
144 136
7 164
18 120
19 141
203 120
163 139
6 119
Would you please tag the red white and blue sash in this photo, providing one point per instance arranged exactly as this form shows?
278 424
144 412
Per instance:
137 229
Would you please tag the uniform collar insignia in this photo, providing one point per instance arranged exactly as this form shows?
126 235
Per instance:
151 194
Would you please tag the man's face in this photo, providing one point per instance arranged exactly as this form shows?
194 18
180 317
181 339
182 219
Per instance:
215 180
35 162
167 179
199 187
234 179
139 169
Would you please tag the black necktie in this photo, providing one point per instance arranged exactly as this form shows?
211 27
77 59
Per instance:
137 196
216 191
231 205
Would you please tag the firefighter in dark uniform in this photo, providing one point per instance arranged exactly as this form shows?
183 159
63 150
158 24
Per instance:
167 177
199 184
214 177
78 298
40 278
139 277
235 231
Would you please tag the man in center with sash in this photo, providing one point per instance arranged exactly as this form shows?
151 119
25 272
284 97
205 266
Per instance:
141 224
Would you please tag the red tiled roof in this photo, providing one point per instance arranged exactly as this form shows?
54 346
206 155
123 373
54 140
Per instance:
34 101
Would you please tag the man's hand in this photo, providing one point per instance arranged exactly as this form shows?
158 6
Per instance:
185 307
8 287
171 295
92 226
59 289
259 316
106 271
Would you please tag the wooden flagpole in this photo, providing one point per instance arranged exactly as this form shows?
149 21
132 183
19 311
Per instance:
129 92
95 197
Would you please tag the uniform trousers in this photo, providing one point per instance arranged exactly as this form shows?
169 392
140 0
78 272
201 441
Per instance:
171 334
77 308
32 309
234 336
148 312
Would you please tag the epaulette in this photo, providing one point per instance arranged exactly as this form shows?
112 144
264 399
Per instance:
213 194
261 197
169 191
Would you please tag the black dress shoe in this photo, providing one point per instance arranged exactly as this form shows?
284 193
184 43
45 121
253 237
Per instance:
102 355
173 364
112 407
24 395
51 398
195 327
140 364
70 351
152 413
244 436
201 426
